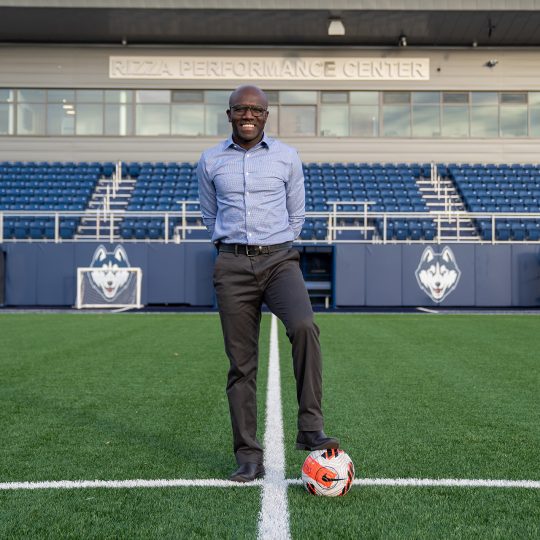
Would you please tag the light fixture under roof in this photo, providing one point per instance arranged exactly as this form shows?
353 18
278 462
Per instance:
335 27
402 40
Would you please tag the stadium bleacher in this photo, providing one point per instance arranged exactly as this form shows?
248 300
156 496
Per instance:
347 188
159 188
393 188
506 189
385 188
45 187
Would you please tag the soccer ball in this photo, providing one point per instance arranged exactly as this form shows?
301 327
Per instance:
328 472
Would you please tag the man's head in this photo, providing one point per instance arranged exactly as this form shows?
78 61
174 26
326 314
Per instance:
248 111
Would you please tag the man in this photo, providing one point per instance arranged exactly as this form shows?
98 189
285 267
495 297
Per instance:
251 190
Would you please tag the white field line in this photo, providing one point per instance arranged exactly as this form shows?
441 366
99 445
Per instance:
274 513
440 482
217 483
426 310
124 484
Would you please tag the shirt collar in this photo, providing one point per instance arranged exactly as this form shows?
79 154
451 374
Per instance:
265 141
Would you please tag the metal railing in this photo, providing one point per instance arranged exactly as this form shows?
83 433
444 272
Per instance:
374 227
363 225
112 188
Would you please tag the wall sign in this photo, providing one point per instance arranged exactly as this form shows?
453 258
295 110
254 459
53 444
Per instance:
269 68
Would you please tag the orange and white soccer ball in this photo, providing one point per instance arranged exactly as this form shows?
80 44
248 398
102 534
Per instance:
328 472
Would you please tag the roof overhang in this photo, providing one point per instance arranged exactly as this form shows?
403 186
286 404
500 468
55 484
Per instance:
368 23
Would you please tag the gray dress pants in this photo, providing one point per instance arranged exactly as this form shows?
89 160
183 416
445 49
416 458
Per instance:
242 284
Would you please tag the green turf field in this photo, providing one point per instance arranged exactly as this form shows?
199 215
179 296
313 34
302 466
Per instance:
141 396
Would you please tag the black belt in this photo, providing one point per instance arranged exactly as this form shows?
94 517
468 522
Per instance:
252 250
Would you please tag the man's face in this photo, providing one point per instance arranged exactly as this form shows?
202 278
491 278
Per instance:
248 114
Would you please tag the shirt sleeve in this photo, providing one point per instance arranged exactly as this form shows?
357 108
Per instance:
296 195
207 196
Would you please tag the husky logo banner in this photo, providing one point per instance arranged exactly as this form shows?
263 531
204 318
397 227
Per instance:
438 273
110 277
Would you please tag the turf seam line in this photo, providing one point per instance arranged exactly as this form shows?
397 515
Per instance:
274 514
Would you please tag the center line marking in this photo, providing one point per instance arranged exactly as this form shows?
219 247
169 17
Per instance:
274 514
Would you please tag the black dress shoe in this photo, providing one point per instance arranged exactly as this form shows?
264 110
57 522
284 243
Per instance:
247 472
315 440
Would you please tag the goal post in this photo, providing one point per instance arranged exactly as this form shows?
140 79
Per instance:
109 287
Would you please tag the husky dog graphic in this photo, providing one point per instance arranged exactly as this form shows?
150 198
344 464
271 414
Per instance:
438 273
110 277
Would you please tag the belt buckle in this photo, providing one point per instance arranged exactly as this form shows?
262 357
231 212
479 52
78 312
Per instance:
253 251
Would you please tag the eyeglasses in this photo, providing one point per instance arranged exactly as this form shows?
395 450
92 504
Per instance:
242 109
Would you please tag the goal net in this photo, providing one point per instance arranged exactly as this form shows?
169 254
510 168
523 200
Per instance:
109 287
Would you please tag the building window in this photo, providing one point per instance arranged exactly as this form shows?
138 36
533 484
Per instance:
292 113
484 114
7 112
294 97
61 112
119 96
396 114
272 122
364 114
426 114
31 119
334 114
187 113
60 119
152 112
455 114
514 121
118 120
335 97
89 119
187 119
334 120
6 119
119 112
534 114
152 119
299 120
188 96
89 112
216 121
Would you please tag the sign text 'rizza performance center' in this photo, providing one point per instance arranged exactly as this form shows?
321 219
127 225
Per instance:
268 68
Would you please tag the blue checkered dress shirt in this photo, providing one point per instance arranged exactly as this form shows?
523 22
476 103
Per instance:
253 196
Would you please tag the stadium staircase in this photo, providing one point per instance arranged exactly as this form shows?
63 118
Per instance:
447 207
110 199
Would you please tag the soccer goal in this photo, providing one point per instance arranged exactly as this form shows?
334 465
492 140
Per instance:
109 287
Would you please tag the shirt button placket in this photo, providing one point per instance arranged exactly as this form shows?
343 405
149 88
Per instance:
248 212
